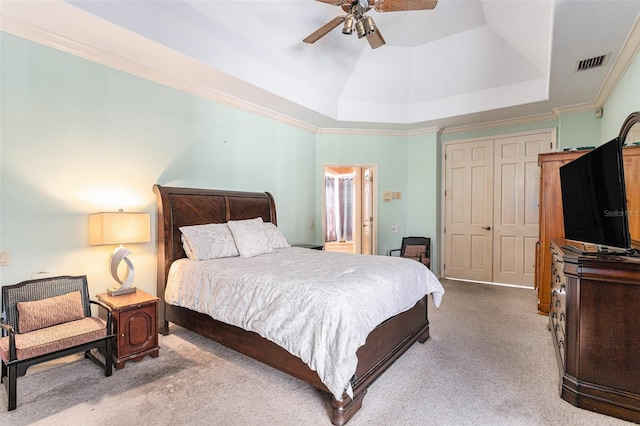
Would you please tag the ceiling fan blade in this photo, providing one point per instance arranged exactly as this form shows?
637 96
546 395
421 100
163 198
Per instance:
324 30
332 2
403 5
375 39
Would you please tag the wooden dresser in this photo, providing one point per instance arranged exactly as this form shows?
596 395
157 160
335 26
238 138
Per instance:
551 223
595 322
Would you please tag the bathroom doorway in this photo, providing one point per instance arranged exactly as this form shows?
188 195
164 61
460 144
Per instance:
349 209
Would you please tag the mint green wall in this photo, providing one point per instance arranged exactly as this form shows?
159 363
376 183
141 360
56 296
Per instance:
624 100
406 164
580 129
389 154
78 137
424 175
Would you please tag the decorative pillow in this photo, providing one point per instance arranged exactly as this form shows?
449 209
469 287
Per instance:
211 241
43 313
187 248
251 237
276 238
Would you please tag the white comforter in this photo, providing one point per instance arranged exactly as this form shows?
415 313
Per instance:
319 306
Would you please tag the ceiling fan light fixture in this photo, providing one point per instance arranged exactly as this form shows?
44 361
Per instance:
348 25
360 29
369 25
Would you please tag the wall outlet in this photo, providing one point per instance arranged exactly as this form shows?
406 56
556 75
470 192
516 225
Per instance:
4 258
395 229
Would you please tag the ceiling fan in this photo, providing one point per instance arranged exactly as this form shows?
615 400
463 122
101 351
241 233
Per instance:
355 18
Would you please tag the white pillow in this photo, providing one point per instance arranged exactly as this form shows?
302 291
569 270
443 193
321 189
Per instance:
250 236
211 241
275 236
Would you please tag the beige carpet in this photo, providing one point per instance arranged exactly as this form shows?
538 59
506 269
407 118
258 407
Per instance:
489 361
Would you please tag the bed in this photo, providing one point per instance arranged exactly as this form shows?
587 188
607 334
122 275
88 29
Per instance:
180 207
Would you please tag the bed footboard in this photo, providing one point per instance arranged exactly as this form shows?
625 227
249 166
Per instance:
384 345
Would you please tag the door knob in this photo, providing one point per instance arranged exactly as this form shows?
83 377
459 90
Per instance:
488 228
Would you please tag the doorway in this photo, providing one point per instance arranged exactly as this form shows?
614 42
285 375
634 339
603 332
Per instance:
491 207
349 213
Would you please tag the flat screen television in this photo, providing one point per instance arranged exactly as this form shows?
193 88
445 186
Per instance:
594 201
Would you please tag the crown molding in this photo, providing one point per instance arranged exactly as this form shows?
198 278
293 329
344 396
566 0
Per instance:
572 109
501 123
150 65
381 132
435 130
360 132
624 59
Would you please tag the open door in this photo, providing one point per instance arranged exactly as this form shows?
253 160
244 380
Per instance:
367 211
349 209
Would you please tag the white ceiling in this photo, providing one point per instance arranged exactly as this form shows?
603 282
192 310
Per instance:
465 62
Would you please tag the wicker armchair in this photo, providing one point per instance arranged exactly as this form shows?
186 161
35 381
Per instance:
46 319
416 248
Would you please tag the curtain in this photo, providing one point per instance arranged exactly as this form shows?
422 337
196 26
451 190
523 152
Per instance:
345 208
339 208
330 208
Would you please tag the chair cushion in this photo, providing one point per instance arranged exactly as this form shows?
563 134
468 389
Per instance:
414 252
55 338
43 313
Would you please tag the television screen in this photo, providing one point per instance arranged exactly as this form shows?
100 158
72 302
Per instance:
594 200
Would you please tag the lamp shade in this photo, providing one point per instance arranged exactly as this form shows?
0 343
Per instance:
114 228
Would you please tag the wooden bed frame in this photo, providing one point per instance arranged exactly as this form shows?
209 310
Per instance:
188 206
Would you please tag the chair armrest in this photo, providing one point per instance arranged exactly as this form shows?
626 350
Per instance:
7 328
108 310
392 251
12 340
425 259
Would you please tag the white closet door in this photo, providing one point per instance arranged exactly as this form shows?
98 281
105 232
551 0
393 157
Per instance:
491 208
515 212
469 210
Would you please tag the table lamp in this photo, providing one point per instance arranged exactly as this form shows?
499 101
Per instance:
118 228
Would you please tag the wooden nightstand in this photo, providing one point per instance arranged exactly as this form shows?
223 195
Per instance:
135 324
309 246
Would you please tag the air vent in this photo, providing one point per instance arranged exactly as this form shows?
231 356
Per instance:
587 64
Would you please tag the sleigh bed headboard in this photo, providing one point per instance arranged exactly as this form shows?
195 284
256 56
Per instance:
194 206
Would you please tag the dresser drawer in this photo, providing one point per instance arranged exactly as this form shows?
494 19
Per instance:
557 322
557 310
